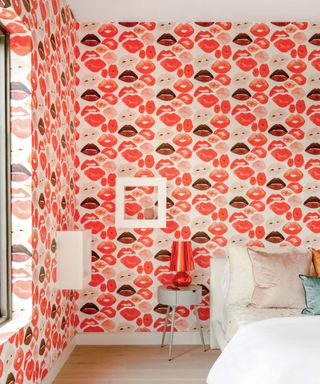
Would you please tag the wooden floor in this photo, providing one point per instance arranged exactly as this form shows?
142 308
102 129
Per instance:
137 365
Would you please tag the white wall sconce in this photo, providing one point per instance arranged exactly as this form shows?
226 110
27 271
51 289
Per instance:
73 257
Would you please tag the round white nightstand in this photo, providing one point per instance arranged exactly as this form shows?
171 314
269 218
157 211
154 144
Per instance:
174 296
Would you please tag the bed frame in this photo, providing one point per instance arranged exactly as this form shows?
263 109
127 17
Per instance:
217 336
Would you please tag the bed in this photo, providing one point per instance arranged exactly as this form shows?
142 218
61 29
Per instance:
274 351
225 320
265 346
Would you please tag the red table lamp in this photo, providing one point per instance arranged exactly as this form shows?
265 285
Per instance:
181 262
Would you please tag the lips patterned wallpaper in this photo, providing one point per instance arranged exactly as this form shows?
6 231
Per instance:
230 115
44 159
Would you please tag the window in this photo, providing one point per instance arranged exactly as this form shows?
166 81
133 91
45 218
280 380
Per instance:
5 211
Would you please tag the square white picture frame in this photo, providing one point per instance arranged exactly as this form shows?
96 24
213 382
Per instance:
160 183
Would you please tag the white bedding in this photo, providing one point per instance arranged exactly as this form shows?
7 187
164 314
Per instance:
236 315
282 350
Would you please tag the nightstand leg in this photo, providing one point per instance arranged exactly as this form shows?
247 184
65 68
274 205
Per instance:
165 326
200 327
172 330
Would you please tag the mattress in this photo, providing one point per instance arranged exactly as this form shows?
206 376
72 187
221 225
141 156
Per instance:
275 351
236 315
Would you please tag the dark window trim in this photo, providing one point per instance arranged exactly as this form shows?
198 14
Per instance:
5 187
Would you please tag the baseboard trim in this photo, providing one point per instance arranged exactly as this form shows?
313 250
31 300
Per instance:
137 338
58 364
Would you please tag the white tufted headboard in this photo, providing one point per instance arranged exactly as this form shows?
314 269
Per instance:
217 273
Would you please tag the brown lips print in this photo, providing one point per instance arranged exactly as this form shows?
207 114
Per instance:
127 131
313 149
41 126
163 255
241 94
202 130
275 237
126 238
201 184
165 149
315 39
161 309
20 253
166 39
90 150
42 201
126 290
238 202
18 90
240 149
279 75
53 179
91 40
166 95
200 237
28 336
89 309
90 95
128 76
41 51
169 203
278 130
90 203
312 202
276 184
242 39
204 76
10 379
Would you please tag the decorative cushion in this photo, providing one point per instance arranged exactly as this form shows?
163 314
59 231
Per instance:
276 278
316 261
311 286
240 283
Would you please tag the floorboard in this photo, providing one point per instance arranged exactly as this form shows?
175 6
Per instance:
137 365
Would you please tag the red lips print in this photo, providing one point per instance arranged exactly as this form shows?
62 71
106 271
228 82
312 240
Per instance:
167 169
129 151
168 60
282 41
244 60
132 45
279 150
205 97
21 45
203 204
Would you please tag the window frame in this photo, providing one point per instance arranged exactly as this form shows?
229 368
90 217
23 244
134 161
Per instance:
5 174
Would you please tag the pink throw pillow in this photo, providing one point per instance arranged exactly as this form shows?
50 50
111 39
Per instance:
276 278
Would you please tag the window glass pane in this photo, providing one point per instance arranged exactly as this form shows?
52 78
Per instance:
4 180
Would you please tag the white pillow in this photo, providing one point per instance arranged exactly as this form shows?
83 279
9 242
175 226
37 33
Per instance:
241 284
225 281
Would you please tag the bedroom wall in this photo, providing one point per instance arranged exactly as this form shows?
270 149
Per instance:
43 151
229 114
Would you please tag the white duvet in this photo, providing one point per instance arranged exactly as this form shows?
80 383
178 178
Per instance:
275 351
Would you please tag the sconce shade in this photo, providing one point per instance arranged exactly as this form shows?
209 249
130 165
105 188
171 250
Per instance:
181 257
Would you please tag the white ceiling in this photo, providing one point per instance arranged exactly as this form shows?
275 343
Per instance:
195 10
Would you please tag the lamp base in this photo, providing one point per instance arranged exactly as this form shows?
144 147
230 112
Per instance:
182 279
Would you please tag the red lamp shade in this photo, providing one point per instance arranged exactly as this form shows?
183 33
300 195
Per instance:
181 262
